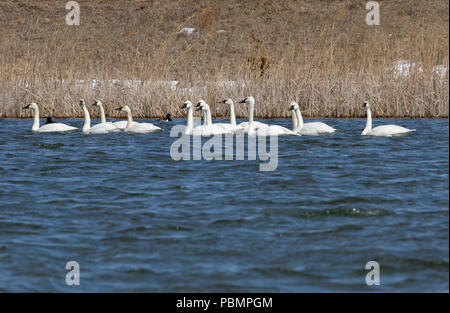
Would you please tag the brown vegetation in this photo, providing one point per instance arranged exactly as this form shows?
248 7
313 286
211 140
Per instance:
320 53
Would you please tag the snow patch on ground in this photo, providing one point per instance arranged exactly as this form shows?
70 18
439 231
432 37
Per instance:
187 31
403 68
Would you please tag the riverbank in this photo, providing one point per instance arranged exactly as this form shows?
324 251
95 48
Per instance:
154 56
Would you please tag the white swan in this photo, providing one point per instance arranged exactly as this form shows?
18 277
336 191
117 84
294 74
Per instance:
121 125
308 129
210 129
229 127
107 126
190 117
255 124
47 128
190 129
87 129
382 131
137 128
261 129
232 126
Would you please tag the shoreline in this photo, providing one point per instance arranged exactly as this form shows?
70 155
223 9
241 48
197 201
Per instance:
237 117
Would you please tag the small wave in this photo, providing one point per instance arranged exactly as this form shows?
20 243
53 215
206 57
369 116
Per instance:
50 146
229 221
345 228
346 212
140 270
423 263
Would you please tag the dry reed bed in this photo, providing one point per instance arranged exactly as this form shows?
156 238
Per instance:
329 73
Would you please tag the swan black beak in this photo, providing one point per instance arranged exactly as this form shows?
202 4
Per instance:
118 109
223 101
198 108
243 101
291 108
94 104
184 106
26 107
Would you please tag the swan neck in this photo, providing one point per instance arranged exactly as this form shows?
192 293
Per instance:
35 126
130 120
299 119
102 114
250 115
190 120
294 120
368 122
87 119
208 117
203 117
232 116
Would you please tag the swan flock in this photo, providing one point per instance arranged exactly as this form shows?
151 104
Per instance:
208 128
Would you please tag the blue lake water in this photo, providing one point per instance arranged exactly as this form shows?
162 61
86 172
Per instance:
135 220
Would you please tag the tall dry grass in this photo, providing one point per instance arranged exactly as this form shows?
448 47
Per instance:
329 68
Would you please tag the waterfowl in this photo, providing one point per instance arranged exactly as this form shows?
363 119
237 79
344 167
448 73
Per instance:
251 124
47 128
121 125
137 128
307 129
104 125
384 130
219 127
190 129
87 129
232 126
262 129
168 118
211 129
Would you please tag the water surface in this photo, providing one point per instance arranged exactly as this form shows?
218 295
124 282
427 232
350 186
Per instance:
135 220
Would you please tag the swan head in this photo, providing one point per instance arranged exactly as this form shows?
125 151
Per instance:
366 105
124 108
82 102
32 106
97 103
187 105
293 106
248 100
227 101
202 105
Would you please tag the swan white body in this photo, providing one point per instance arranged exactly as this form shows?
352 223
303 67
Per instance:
137 128
307 129
104 125
121 125
253 128
256 125
382 131
47 128
275 130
